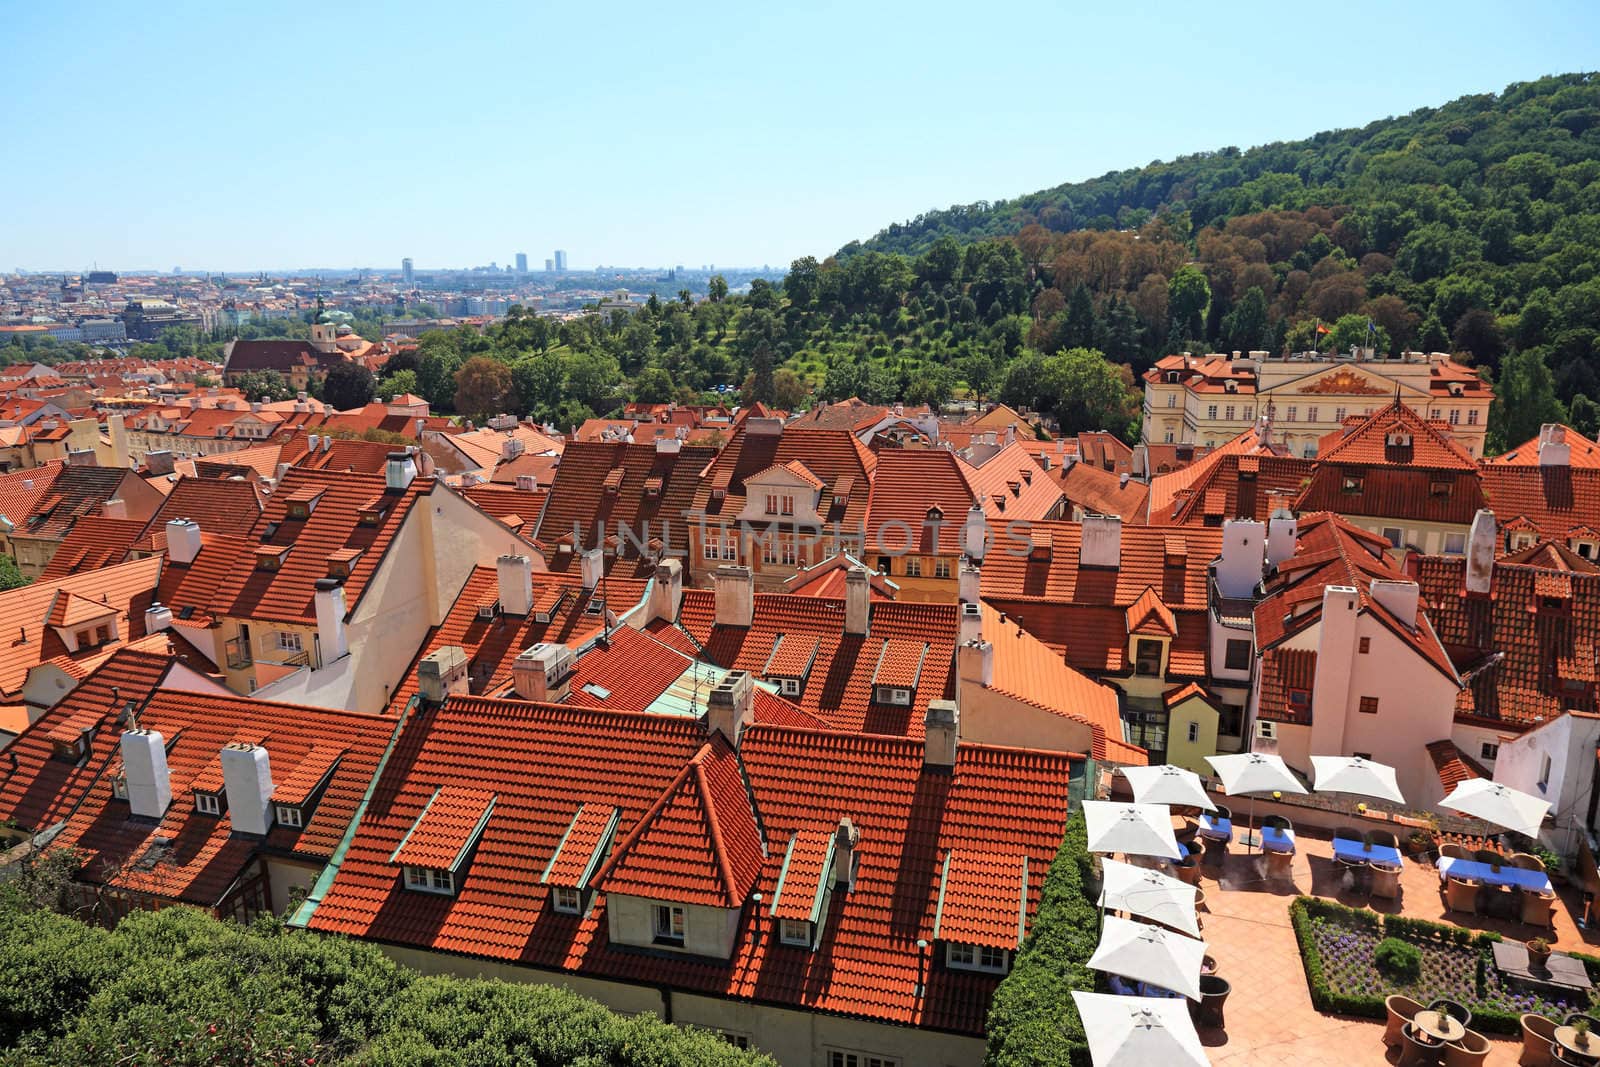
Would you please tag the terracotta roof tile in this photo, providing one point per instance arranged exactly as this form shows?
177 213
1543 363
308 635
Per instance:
449 825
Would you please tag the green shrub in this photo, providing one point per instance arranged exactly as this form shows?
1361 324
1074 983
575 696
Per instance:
1033 1021
1398 959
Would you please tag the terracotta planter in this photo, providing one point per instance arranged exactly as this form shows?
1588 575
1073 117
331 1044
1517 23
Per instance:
1538 957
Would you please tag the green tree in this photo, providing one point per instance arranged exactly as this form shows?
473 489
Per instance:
265 386
484 388
1245 326
398 384
1524 399
653 386
1087 392
1583 415
789 390
347 386
717 289
1079 328
1188 297
1358 330
10 576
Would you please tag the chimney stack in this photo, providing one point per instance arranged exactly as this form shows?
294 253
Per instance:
515 574
1399 598
1553 448
735 588
1282 530
857 601
157 617
1101 541
1239 568
400 470
183 540
544 672
443 673
247 778
971 623
330 620
592 567
1481 542
975 533
666 591
969 582
730 706
159 461
1336 653
939 740
846 839
115 508
144 768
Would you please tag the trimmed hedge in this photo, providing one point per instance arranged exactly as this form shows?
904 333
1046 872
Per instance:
1033 1021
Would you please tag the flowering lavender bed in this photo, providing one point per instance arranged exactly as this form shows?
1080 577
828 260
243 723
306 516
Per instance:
1462 973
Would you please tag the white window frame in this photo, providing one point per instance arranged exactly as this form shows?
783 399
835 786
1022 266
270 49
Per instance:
1472 417
207 804
669 924
1211 411
1194 732
786 553
795 932
566 899
892 695
941 567
913 567
1394 535
963 957
1489 750
844 1057
1455 544
289 641
789 687
290 815
431 880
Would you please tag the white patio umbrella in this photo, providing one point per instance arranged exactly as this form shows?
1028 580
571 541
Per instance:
1134 829
1151 894
1499 804
1352 774
1167 784
1150 954
1139 1031
1254 772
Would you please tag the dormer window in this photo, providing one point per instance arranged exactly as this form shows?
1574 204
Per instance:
208 803
986 958
342 562
430 880
299 509
289 815
271 557
667 924
1299 699
1352 482
795 932
789 687
488 609
892 695
372 511
566 900
1439 487
435 853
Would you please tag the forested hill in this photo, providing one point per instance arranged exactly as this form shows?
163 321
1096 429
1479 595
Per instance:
1457 145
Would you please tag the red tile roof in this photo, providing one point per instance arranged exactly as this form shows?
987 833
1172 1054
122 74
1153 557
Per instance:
1100 492
21 490
1148 615
1283 670
1584 452
448 826
827 579
835 456
583 847
127 587
1553 499
1395 434
1452 765
93 542
219 506
580 500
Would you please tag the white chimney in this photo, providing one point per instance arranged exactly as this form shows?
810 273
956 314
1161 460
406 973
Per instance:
183 540
975 533
515 574
247 779
311 442
1239 568
939 740
592 567
668 446
1282 530
544 672
735 589
443 673
730 706
1400 598
330 620
974 666
1336 651
400 470
1481 542
1553 448
857 601
1102 541
157 617
115 508
971 622
144 768
527 483
846 839
666 590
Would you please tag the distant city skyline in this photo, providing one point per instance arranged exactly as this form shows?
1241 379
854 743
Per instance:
673 137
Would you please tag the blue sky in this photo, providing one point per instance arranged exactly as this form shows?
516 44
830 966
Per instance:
242 136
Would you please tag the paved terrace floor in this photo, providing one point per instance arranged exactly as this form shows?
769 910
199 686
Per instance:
1269 1014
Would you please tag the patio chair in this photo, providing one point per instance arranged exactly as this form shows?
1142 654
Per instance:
1417 1050
1573 1019
1222 813
1470 1051
1539 909
1278 822
1461 895
1280 865
1538 1041
1490 856
1402 1010
1382 837
1454 851
1347 833
1526 861
1458 1012
1385 881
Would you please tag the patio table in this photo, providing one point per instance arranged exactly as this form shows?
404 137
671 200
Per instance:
1276 840
1439 1026
1560 970
1586 1052
1515 877
1356 851
1215 828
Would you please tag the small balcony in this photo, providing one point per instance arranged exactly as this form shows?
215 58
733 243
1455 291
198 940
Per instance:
238 654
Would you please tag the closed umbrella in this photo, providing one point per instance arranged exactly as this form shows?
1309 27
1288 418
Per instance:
1353 774
1150 894
1134 829
1148 953
1139 1031
1499 804
1254 772
1167 784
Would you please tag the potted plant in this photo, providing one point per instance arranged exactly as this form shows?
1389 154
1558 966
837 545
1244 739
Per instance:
1582 1029
1423 840
1538 952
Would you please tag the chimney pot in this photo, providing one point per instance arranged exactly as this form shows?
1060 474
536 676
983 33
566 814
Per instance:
330 604
940 728
515 576
442 673
543 672
857 601
730 706
183 540
144 768
666 591
1101 541
735 595
247 779
1481 542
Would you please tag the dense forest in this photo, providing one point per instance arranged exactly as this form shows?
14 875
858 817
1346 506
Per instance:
1473 228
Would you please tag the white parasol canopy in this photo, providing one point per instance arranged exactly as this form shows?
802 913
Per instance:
1254 772
1134 829
1167 784
1352 774
1139 1031
1151 894
1147 953
1499 804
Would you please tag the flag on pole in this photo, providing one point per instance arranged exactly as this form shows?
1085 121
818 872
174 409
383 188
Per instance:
1321 329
